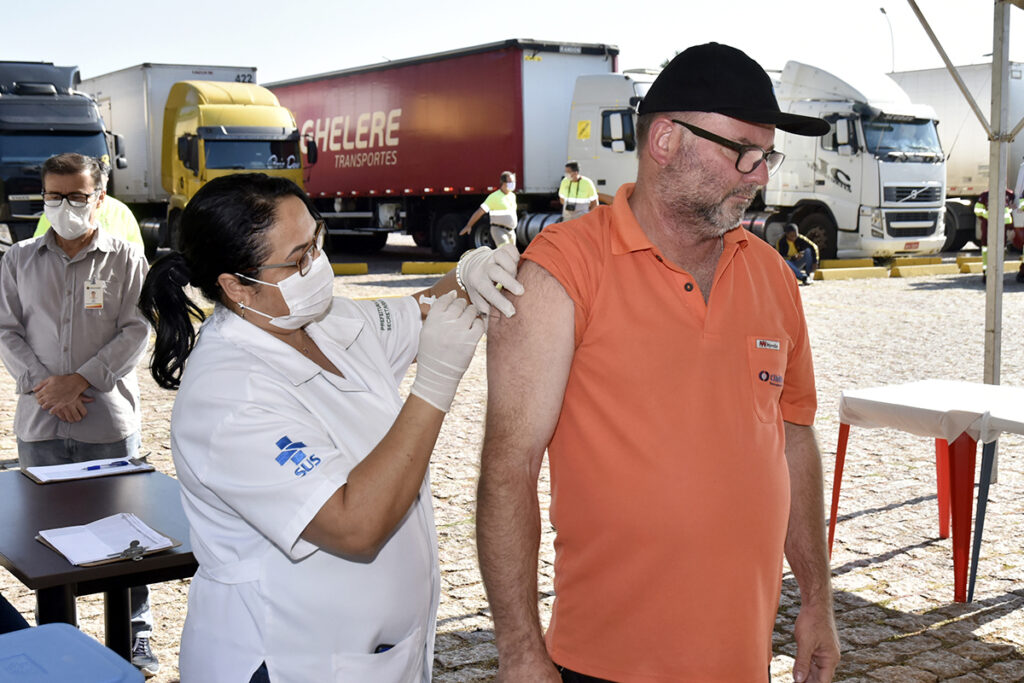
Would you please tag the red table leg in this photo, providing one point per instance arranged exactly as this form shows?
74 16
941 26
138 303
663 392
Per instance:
942 481
961 457
837 480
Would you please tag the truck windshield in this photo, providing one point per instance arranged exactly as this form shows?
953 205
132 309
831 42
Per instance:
35 148
252 154
902 139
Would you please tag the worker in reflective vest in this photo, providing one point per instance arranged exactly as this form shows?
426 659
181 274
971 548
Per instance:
500 206
981 211
576 193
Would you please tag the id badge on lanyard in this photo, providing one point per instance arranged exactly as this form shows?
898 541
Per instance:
94 293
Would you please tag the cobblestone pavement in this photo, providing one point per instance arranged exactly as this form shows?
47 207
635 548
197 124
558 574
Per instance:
892 574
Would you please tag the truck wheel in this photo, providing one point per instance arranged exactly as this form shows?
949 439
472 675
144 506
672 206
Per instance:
446 240
481 235
820 229
955 239
370 243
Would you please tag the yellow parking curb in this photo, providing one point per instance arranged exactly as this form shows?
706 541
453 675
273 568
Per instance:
849 273
924 269
427 267
350 268
901 261
847 263
961 260
976 266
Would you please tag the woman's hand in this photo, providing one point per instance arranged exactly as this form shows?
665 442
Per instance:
482 271
447 342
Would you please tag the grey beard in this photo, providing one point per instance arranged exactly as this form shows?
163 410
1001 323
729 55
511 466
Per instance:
714 221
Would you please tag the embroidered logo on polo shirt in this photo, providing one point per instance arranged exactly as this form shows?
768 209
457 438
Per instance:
769 344
291 451
771 378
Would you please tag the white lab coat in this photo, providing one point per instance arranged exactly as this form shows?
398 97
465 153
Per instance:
262 593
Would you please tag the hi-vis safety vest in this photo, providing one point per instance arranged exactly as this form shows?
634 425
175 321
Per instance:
502 209
577 194
981 211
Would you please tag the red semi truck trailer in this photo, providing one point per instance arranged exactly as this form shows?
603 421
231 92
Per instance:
416 145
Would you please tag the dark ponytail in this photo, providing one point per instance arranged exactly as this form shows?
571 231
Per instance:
222 231
171 313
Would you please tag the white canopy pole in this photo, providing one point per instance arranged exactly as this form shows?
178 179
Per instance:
996 191
1000 136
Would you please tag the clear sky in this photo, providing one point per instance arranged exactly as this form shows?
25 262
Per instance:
291 39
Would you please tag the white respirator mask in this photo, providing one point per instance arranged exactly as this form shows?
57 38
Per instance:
511 185
68 221
308 296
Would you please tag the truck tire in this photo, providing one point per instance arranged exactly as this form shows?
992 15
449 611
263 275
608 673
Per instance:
421 238
445 239
369 243
955 238
481 235
963 217
820 229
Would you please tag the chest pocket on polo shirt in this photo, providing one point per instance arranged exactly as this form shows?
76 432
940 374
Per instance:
766 355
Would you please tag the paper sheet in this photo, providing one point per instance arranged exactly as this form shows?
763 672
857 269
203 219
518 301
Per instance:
104 539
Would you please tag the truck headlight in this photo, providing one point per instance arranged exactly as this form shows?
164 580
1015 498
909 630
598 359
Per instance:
873 216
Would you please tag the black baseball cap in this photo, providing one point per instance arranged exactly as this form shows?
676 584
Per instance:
721 79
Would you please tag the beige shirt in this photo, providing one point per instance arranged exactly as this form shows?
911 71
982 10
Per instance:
60 316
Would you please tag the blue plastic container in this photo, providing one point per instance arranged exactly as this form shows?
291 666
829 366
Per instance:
60 653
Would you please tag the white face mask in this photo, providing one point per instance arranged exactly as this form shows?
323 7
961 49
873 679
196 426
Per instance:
511 185
68 221
308 296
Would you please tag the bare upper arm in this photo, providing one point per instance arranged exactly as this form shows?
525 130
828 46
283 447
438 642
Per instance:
528 361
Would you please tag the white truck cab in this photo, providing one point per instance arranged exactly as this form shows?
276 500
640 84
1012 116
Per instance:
602 130
874 185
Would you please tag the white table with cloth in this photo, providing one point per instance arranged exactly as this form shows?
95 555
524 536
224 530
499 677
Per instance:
958 415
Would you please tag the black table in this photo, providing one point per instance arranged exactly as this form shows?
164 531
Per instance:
27 507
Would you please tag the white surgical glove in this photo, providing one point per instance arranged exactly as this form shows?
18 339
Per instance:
479 271
447 342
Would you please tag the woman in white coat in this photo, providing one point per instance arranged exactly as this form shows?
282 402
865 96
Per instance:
303 472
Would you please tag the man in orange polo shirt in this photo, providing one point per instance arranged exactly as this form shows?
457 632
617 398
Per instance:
661 357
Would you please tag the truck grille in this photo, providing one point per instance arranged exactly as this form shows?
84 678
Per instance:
910 223
25 205
906 194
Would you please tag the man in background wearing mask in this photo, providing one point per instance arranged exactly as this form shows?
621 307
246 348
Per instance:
112 215
71 334
500 206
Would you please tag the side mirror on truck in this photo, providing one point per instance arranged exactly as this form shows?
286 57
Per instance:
311 150
188 152
120 160
842 132
183 149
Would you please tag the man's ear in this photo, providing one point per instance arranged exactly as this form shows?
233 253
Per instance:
662 141
94 214
233 289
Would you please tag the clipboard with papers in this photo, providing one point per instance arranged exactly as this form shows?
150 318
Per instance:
104 467
112 539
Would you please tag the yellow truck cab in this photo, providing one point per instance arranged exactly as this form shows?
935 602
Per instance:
213 129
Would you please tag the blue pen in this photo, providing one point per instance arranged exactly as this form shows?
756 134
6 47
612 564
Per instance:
116 463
